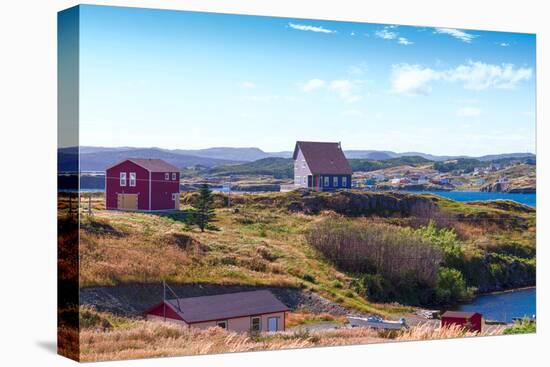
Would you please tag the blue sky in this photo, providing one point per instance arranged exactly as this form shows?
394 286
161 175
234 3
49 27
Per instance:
188 80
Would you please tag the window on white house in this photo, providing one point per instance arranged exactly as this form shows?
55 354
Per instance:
166 176
132 179
327 181
304 163
173 176
255 324
344 181
122 178
297 180
304 180
222 324
335 181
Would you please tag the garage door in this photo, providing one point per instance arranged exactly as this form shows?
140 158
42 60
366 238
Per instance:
127 201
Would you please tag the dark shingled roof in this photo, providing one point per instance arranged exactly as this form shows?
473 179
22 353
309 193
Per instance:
324 158
226 306
154 165
459 314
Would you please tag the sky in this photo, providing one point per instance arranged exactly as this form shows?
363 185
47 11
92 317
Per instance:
190 80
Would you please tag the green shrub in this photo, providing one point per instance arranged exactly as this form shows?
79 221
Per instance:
524 326
451 287
309 278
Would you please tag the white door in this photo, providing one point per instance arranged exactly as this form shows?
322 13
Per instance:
272 324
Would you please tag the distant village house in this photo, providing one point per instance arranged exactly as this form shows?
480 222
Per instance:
321 166
142 184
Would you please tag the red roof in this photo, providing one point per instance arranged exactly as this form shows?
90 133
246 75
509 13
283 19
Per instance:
226 306
324 158
151 165
460 314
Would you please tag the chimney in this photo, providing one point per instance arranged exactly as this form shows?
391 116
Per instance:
339 145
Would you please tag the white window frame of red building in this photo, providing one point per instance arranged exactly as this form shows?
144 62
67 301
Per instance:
326 180
122 179
174 195
344 181
166 176
132 179
335 181
174 176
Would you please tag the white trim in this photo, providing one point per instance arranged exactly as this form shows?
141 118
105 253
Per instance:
174 176
130 179
120 176
166 176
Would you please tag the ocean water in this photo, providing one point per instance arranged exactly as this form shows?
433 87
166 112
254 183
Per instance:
527 199
504 306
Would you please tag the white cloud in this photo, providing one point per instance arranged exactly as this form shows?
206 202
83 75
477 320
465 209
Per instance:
345 89
404 41
352 34
248 84
468 112
385 34
479 76
457 33
313 84
416 80
412 79
504 44
303 27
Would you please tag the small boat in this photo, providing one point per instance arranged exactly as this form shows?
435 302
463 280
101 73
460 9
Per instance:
376 322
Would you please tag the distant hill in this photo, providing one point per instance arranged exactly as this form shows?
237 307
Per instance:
236 154
283 167
96 158
99 160
273 166
367 165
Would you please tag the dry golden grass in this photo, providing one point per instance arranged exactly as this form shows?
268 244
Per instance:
145 339
426 332
297 318
158 339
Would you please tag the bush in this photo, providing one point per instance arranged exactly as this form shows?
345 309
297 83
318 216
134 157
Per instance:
397 263
309 278
524 326
390 251
451 287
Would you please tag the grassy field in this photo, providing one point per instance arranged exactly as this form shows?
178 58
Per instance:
261 240
253 246
130 339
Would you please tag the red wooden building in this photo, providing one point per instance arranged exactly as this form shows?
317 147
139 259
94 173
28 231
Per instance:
142 184
471 321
